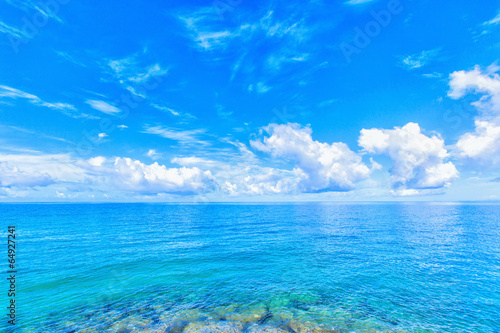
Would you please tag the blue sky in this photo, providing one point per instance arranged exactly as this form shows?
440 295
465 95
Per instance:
237 100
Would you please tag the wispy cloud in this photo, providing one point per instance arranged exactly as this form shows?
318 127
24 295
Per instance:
153 154
493 21
184 115
103 107
67 109
131 70
358 2
194 161
420 59
43 8
7 29
38 134
279 37
182 136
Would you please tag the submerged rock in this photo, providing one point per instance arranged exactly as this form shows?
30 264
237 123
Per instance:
265 329
175 326
214 327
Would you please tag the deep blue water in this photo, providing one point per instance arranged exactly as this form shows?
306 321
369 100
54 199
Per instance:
232 267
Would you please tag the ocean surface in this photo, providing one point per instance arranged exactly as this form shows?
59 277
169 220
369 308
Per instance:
310 267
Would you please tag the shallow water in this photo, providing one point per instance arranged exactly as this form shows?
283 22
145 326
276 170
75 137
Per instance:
266 267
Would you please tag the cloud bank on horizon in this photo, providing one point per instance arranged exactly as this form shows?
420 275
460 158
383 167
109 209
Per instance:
249 101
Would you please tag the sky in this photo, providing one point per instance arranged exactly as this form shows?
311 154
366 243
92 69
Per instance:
237 100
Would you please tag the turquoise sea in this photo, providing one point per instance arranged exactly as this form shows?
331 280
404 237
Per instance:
308 267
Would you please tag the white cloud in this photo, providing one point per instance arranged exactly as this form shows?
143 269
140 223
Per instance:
153 70
152 154
12 176
185 115
183 136
319 166
482 145
103 106
134 176
122 127
96 161
60 167
208 34
7 29
44 8
418 160
357 2
262 88
99 173
421 59
493 21
128 70
102 135
194 161
273 181
476 81
13 93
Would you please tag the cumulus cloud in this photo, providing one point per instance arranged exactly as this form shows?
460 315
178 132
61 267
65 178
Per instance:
319 167
482 145
418 160
120 174
138 177
12 176
486 83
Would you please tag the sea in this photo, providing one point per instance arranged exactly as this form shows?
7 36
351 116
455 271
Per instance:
256 267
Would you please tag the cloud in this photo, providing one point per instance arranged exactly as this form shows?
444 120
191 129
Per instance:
194 161
120 174
7 29
477 81
13 93
152 154
493 21
319 166
12 176
185 115
418 160
96 161
483 145
279 38
44 8
103 107
137 177
183 136
129 70
271 181
358 2
419 59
